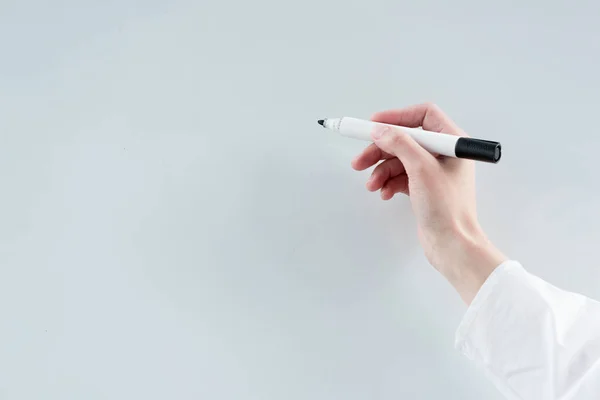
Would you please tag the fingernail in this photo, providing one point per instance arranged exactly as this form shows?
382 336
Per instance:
379 131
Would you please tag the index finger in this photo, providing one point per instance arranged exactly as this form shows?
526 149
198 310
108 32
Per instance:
369 157
426 115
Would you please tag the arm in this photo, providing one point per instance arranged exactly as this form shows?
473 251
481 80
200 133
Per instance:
533 340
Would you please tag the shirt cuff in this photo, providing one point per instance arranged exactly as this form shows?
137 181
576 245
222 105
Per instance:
480 301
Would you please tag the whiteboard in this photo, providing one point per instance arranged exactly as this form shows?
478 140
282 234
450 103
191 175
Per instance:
174 223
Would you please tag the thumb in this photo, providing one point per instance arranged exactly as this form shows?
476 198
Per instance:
414 157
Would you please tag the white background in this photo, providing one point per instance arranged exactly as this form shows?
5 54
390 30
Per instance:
174 224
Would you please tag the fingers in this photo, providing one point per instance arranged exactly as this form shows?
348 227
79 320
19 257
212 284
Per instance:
404 158
398 184
416 159
383 172
369 157
389 176
427 115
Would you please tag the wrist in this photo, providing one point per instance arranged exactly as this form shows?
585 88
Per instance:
469 262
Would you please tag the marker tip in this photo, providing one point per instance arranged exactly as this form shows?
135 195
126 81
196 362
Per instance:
321 122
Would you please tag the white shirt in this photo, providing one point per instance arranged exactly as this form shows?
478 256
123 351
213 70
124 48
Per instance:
533 340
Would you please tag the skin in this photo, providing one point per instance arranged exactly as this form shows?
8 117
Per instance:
441 192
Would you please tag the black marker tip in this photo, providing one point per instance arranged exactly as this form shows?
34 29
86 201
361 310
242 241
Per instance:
321 122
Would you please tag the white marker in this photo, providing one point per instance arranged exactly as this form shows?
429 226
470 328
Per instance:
439 143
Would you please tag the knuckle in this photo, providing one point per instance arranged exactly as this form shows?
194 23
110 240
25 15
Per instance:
437 120
433 108
399 138
378 169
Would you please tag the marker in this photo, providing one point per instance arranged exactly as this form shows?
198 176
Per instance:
439 143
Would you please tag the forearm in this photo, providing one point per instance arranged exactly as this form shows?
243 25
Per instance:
535 341
466 260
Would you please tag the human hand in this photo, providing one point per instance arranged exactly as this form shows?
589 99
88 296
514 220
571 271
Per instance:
441 192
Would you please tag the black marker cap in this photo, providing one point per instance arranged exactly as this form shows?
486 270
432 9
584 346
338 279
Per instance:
479 150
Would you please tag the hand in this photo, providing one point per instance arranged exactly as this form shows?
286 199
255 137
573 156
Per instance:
441 192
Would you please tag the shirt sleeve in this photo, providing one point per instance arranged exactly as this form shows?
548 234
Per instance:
533 340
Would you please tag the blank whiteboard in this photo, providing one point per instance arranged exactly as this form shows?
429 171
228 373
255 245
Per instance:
174 223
